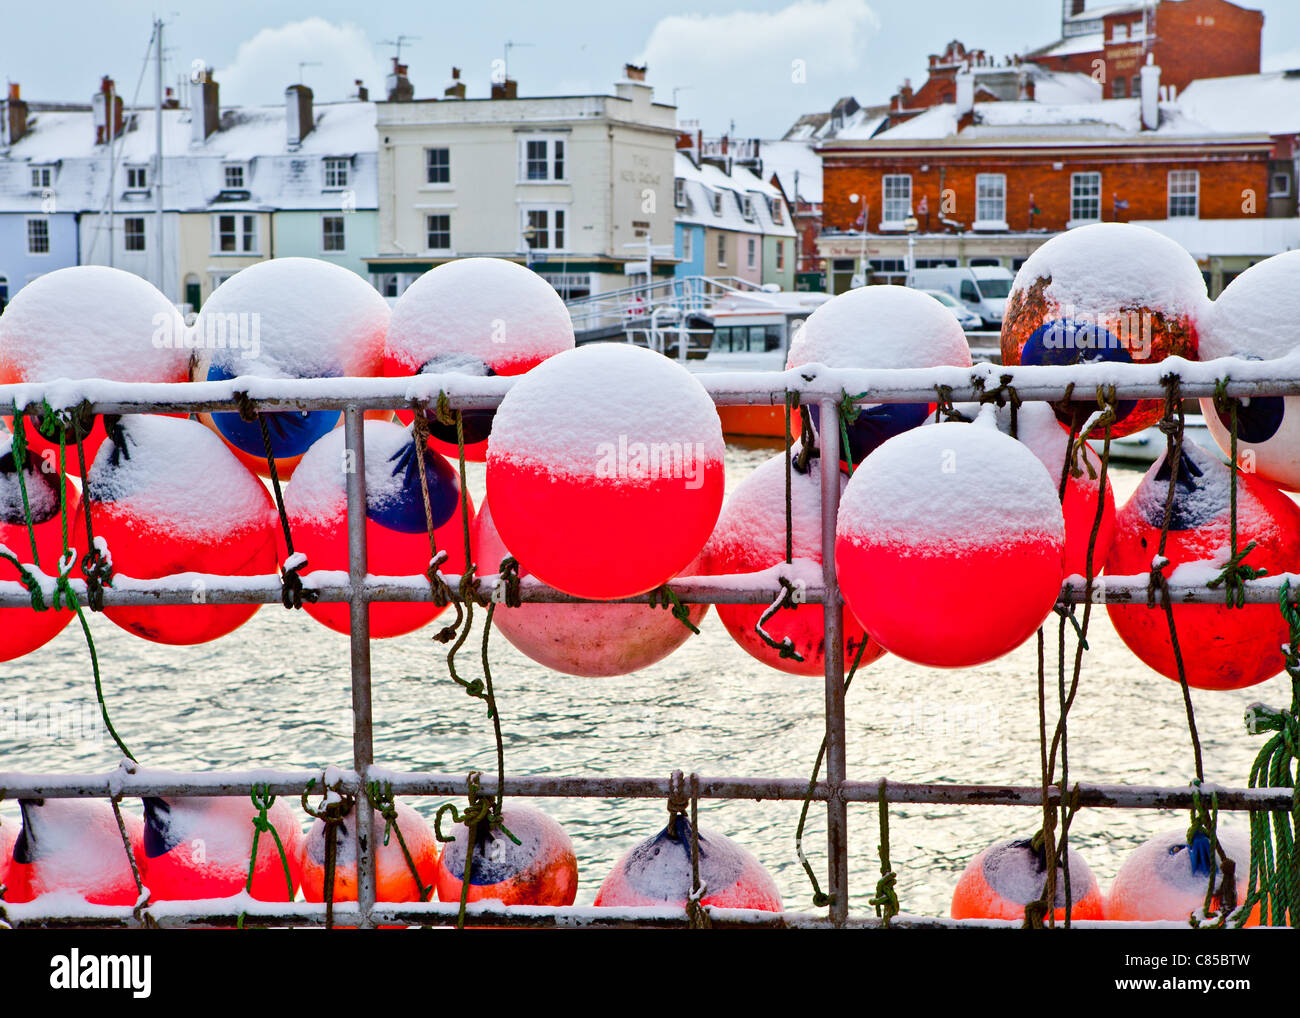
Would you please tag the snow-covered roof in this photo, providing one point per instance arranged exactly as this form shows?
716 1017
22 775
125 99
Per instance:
1257 103
1129 7
1092 42
1207 238
788 158
705 180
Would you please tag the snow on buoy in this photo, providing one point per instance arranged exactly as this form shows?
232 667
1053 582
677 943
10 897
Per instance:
167 497
73 847
605 470
1106 292
200 847
397 537
90 321
1222 647
593 640
951 511
1007 876
541 870
23 630
658 872
1251 319
393 880
880 327
1164 878
474 316
287 318
750 536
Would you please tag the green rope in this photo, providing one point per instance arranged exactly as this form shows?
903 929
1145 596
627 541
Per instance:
663 597
262 802
1235 573
381 798
483 810
886 897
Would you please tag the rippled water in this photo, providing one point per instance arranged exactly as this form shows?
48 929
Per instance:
276 694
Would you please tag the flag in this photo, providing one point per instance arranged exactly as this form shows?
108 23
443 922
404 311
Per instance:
1120 204
924 208
861 221
1034 210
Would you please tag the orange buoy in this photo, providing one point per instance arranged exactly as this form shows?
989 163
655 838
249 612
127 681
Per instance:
658 872
23 630
541 870
200 847
1007 876
1166 878
393 879
74 847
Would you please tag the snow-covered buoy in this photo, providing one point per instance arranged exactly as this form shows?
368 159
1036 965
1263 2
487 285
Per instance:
750 536
1111 292
287 318
880 327
1165 878
23 630
605 470
658 872
166 496
541 870
582 639
474 316
8 835
393 879
397 536
1252 319
90 321
1222 647
74 847
200 847
951 511
1007 876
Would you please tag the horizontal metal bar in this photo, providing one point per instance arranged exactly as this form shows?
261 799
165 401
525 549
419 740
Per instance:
132 782
727 388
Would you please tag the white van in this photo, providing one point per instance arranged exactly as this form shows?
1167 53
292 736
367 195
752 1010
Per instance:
982 289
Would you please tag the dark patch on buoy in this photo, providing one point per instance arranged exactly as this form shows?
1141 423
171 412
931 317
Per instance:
403 510
476 425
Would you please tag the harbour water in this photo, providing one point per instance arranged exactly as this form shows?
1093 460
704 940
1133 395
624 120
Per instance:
276 694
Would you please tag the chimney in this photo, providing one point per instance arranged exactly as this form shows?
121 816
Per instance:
634 72
170 102
965 92
101 105
1150 86
205 112
508 89
14 123
362 93
400 89
633 86
298 118
455 88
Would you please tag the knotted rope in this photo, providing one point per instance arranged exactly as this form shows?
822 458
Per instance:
337 805
263 800
483 810
381 798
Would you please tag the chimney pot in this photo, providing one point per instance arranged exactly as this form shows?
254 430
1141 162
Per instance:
298 116
14 123
634 72
1149 85
397 85
205 110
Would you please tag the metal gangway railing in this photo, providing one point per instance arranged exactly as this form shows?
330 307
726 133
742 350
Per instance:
629 309
813 385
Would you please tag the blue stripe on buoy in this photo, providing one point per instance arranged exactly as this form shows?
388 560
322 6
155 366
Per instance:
292 432
1258 418
876 424
403 511
1064 341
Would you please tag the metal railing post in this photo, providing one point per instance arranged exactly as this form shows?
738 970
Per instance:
837 814
363 750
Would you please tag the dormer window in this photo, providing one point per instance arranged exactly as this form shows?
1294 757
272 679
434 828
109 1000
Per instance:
336 174
747 207
137 178
235 176
715 202
778 217
679 193
42 177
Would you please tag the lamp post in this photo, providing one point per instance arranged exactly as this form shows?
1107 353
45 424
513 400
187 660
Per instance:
910 225
860 277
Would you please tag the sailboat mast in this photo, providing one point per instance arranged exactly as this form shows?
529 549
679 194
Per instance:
158 153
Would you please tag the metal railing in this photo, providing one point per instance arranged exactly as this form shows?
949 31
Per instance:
814 384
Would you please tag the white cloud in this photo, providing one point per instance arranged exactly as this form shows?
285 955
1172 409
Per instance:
745 65
1284 61
268 62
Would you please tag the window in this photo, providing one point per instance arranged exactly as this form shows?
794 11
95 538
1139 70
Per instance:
688 244
38 236
386 284
544 229
968 292
715 202
133 233
722 250
780 255
234 234
541 159
751 252
1120 34
747 207
437 165
1184 193
679 193
137 178
991 200
234 176
1085 198
778 213
42 177
438 232
1119 89
332 233
897 188
1280 185
336 173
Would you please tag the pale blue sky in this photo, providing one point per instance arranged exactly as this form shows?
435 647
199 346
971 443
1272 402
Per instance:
731 59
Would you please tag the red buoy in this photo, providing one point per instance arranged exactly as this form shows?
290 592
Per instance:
167 497
658 872
200 847
1166 878
956 507
73 847
574 491
397 538
750 536
1222 647
474 316
541 870
1007 876
23 630
393 879
582 639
